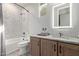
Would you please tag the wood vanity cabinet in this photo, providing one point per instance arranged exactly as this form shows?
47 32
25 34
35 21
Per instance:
43 47
66 49
51 48
48 47
35 46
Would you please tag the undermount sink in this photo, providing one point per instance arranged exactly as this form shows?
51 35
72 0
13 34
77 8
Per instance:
43 34
70 38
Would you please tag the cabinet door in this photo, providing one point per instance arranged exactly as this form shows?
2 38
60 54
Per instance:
65 49
43 47
35 46
60 49
51 48
48 47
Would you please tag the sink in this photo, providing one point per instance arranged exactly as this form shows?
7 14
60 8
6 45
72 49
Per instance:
43 34
70 38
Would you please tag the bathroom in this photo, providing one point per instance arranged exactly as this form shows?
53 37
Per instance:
22 22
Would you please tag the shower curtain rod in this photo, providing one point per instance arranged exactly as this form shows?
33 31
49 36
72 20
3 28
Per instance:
22 7
26 10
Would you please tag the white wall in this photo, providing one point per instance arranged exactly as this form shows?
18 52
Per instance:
74 31
12 21
12 27
34 21
45 20
16 21
25 21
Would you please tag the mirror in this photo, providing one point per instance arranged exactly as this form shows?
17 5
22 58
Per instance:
62 16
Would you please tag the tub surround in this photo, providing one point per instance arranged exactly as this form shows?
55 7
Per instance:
13 45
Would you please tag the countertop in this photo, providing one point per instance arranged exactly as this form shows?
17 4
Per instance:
67 40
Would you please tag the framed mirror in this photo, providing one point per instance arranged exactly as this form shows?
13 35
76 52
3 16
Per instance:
62 16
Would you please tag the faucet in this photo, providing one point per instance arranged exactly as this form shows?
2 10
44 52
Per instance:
60 34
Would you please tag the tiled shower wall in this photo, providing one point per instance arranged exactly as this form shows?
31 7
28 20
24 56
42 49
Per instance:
16 21
12 21
12 26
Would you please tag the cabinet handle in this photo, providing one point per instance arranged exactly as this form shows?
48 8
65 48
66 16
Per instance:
54 47
60 49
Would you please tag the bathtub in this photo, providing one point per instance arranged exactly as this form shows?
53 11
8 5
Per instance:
13 47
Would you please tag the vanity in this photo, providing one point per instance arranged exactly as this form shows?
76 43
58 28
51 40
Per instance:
56 46
52 46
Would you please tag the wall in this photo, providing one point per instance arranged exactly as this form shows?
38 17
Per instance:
74 31
25 21
31 21
16 21
34 20
45 20
12 21
12 27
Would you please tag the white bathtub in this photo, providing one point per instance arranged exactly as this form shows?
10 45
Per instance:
12 46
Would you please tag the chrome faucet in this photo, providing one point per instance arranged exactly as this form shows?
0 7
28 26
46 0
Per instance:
60 34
